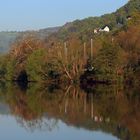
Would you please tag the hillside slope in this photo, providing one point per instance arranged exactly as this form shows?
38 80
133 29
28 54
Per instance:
84 28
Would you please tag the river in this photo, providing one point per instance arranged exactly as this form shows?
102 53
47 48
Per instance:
52 112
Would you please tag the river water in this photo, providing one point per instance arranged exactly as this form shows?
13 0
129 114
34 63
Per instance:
40 112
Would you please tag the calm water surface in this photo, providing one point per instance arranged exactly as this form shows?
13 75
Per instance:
69 113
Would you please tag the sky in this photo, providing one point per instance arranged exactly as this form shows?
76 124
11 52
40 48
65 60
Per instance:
19 15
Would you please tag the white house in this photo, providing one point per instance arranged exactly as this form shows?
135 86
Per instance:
106 29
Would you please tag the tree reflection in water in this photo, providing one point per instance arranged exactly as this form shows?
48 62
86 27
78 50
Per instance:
111 109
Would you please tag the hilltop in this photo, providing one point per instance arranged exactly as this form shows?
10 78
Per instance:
84 29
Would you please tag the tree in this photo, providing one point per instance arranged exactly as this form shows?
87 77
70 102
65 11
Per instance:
35 65
20 52
68 59
109 61
130 43
134 19
10 69
2 66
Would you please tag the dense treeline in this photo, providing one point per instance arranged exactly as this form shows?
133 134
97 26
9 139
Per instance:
106 57
114 58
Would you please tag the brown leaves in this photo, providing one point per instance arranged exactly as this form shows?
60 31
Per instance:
23 47
130 41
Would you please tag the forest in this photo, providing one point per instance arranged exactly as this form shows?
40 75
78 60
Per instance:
79 56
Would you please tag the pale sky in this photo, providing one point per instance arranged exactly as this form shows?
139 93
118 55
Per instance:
37 14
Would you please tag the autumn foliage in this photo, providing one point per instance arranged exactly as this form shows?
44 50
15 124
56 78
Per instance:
111 57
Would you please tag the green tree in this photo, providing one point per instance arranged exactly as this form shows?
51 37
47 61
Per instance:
2 66
10 69
35 65
108 61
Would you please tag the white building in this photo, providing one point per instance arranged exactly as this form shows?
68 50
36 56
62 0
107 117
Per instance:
106 29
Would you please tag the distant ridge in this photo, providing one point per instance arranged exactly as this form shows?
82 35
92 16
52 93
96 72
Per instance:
7 38
82 28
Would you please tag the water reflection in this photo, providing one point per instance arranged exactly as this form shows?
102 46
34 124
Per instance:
113 110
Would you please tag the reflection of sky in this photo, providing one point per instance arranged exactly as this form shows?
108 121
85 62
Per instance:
4 109
11 130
